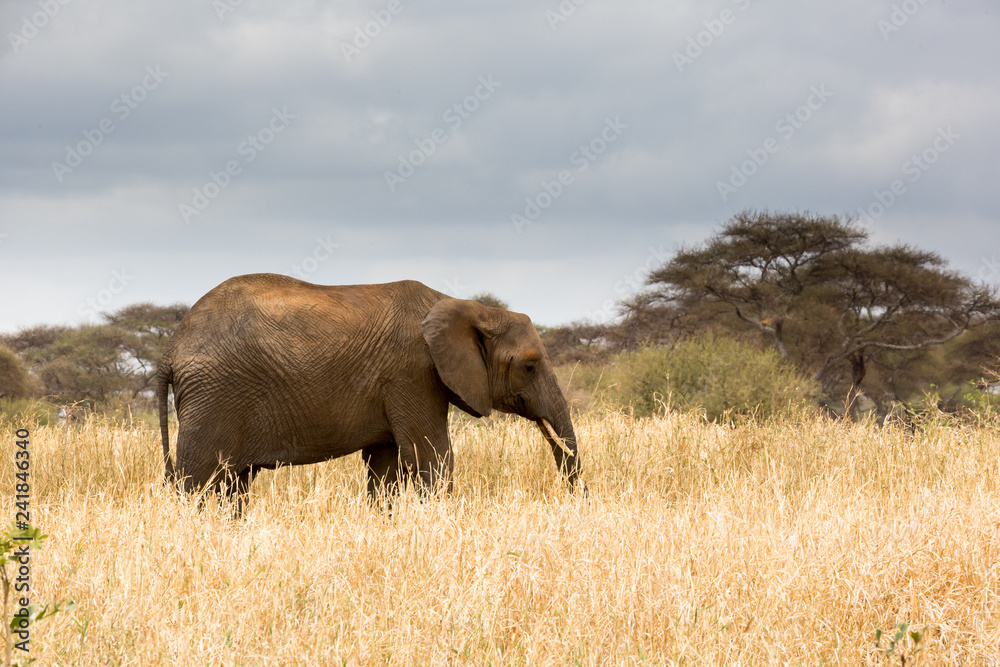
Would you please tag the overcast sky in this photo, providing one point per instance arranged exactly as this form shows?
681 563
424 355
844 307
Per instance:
547 152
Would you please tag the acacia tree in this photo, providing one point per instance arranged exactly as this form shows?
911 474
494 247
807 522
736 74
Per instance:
84 364
898 299
762 266
29 341
825 299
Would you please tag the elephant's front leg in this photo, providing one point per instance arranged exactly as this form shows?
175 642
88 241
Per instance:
425 451
382 467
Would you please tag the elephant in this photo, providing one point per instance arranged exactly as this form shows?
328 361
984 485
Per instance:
269 370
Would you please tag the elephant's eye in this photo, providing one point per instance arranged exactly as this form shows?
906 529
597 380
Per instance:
529 367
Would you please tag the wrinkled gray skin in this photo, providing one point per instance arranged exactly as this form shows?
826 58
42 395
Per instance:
268 370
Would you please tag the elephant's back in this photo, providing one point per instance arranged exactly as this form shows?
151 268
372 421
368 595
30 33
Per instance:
276 320
282 300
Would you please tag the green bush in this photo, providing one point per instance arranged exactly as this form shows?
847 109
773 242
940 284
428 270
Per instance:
19 410
981 403
722 376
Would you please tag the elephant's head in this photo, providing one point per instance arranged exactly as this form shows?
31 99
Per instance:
492 359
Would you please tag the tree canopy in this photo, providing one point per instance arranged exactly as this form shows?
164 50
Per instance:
822 294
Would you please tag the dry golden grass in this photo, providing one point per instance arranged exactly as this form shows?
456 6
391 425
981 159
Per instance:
780 543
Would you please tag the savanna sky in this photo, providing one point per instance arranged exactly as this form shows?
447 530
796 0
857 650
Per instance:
548 152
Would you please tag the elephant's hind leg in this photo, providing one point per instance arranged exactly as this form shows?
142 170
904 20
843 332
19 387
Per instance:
238 491
200 473
231 487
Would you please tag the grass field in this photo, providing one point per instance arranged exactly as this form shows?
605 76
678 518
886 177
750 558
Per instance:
781 543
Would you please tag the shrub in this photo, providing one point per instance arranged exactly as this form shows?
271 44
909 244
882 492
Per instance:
13 378
36 410
724 377
491 300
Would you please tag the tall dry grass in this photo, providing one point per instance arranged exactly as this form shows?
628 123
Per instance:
778 543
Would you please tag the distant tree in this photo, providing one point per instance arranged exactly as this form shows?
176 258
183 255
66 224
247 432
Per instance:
491 300
33 338
146 330
577 342
98 362
643 323
85 364
647 321
825 300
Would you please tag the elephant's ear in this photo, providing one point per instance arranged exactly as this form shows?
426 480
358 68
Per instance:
451 329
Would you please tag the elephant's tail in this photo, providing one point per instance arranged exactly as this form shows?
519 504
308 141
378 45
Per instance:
165 377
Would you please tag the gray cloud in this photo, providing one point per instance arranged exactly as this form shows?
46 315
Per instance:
654 187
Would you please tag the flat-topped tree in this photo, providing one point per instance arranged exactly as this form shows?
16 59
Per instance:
761 265
827 301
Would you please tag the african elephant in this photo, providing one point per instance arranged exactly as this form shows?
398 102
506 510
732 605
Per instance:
268 370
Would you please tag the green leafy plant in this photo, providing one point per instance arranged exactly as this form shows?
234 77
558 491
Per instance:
909 643
11 541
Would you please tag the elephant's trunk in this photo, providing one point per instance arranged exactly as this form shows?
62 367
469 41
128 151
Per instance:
564 448
557 429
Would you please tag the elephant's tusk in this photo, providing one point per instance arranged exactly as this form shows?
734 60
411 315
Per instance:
551 432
